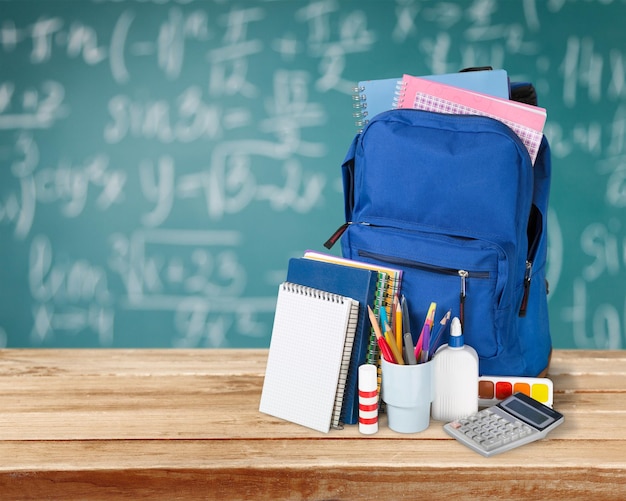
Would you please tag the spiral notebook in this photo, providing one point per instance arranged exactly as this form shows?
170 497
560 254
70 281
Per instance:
372 97
359 284
309 356
526 120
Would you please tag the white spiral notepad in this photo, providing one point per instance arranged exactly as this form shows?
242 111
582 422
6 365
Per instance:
309 356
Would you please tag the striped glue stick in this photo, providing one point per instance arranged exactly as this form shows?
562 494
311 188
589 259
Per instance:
368 399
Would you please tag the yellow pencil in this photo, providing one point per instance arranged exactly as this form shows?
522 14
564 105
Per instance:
398 323
392 344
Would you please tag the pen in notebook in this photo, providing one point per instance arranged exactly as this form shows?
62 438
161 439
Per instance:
382 344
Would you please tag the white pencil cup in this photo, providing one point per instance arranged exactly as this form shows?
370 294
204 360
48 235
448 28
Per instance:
408 392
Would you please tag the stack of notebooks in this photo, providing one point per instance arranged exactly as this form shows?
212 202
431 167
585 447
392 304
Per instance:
321 334
484 93
372 97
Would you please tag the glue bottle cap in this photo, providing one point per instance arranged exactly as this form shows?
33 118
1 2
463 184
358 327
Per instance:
456 334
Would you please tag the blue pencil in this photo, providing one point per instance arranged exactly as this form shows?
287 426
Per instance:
437 338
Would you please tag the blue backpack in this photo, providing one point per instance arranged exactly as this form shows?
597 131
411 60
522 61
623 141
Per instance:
454 201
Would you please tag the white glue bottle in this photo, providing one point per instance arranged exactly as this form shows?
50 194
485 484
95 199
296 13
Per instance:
455 375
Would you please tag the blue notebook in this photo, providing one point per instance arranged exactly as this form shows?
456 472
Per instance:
375 96
357 283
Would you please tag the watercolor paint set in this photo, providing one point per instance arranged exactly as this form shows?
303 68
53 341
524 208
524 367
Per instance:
494 389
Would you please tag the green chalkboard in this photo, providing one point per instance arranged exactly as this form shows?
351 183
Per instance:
160 161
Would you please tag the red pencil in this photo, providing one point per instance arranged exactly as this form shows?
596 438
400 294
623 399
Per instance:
382 344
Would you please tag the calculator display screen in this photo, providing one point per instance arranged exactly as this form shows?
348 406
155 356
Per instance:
526 412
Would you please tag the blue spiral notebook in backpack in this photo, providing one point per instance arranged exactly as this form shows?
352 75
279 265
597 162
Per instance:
375 96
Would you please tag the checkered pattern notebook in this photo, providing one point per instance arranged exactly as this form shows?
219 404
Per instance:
525 120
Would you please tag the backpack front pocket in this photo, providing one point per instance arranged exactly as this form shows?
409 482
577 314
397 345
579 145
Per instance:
465 275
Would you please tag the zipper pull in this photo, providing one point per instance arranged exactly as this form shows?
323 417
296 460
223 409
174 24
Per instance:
337 235
463 274
527 278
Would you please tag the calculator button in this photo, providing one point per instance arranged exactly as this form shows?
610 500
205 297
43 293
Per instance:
492 444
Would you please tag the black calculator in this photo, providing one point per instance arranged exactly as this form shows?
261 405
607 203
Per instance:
516 421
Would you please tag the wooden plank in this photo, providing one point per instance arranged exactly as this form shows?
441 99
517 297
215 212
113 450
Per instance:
148 407
323 483
402 451
71 362
582 383
108 392
275 469
579 362
19 362
195 424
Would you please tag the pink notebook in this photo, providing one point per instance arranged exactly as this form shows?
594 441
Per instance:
525 120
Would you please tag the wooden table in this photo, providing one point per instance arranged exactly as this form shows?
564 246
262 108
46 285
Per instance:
184 424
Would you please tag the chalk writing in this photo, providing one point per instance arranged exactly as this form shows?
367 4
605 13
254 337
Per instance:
189 119
65 184
68 295
32 108
161 160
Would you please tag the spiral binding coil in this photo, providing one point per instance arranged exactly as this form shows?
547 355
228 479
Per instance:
400 93
360 104
359 99
381 296
303 290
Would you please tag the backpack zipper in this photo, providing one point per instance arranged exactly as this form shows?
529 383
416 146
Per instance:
527 279
535 217
442 270
337 235
463 274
